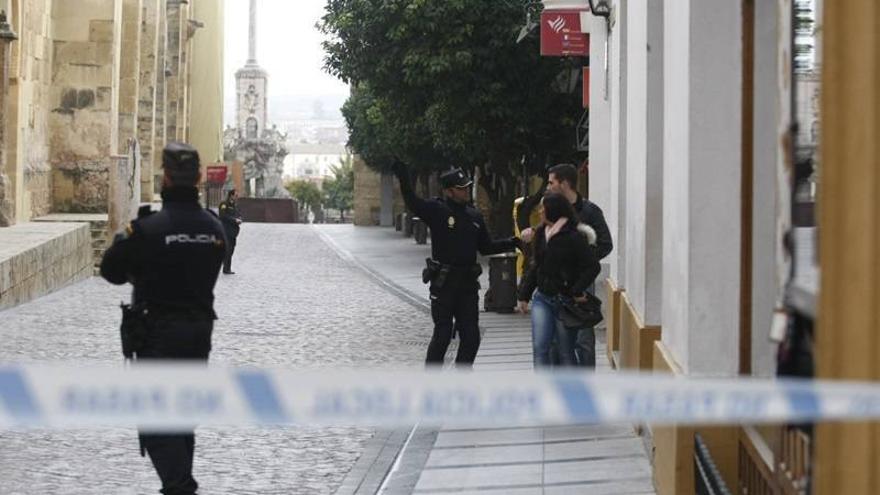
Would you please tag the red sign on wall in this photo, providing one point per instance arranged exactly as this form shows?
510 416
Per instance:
215 174
561 34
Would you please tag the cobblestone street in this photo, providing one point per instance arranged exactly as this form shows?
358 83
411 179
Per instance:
293 302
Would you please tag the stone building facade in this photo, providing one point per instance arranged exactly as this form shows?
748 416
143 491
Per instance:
377 196
93 90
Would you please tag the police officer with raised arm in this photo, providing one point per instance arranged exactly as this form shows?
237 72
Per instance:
173 259
458 232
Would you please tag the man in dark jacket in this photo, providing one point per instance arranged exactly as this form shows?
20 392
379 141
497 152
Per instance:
172 258
562 179
458 232
231 219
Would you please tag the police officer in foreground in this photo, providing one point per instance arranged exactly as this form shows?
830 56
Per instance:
173 259
458 232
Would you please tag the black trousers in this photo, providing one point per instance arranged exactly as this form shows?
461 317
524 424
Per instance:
455 308
230 249
180 336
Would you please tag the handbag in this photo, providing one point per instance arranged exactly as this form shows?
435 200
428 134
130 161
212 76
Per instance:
585 314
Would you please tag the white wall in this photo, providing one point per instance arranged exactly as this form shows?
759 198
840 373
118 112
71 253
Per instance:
702 174
644 158
616 216
676 200
766 118
715 178
600 122
637 152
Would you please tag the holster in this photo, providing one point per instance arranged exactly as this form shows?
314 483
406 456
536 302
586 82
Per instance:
435 273
133 329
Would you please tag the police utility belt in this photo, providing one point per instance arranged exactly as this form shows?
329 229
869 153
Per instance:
437 273
136 322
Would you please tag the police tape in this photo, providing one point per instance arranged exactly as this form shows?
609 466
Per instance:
172 396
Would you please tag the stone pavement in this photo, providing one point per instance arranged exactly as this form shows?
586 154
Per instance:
292 303
595 459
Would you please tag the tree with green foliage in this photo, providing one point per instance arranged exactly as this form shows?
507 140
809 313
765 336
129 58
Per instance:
440 83
339 189
307 194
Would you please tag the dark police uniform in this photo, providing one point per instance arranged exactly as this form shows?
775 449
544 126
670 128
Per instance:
457 233
231 219
173 259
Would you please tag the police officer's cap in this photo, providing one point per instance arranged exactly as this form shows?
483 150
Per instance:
455 178
181 162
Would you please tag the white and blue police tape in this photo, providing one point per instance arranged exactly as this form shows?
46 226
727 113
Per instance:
171 396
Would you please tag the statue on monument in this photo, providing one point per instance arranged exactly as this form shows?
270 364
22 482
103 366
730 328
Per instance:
252 142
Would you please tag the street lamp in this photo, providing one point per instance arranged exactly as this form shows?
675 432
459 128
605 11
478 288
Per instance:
525 30
532 8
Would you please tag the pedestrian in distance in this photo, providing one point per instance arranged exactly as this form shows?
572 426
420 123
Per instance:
562 179
172 258
458 233
231 219
561 270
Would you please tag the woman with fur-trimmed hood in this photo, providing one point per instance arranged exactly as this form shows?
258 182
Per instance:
562 268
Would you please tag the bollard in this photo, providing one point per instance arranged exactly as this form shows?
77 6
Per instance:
501 296
398 222
420 231
407 224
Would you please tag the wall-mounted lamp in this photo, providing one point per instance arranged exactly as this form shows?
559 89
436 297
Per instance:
600 8
5 29
525 30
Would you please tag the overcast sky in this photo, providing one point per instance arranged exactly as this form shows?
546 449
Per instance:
288 47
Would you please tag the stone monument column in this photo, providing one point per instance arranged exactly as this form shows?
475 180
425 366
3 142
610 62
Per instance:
252 35
7 216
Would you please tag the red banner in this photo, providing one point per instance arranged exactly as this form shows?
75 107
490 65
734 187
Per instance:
216 174
561 34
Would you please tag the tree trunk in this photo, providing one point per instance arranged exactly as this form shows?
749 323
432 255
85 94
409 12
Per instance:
500 187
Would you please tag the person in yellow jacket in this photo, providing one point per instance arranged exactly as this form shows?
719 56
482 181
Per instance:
526 214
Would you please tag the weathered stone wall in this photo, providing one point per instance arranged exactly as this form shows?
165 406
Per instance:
161 97
368 195
87 76
174 19
27 129
206 82
7 209
38 258
129 72
125 187
149 67
85 102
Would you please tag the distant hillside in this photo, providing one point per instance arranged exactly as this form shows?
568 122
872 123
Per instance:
294 107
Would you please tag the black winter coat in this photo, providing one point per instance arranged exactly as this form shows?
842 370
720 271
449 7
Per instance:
172 257
567 265
589 213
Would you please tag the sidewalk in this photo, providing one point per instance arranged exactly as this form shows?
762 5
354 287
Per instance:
39 258
595 459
